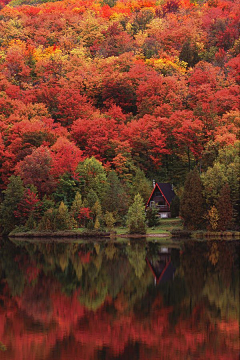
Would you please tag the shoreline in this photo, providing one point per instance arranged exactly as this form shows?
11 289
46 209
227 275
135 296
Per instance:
74 234
71 234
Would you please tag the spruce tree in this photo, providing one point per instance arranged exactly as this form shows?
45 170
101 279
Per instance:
136 216
192 202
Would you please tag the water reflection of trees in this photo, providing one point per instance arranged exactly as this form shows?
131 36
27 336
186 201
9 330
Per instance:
103 297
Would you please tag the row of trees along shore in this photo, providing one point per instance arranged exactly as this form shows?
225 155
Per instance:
139 90
97 199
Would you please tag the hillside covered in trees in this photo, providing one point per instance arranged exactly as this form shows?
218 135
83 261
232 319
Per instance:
97 98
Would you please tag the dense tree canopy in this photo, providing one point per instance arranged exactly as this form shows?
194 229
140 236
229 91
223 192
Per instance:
143 85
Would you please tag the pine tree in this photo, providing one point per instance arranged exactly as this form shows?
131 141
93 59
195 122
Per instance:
136 216
192 202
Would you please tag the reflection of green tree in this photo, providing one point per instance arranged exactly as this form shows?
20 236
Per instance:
118 271
10 268
222 283
110 251
94 287
77 265
2 347
94 297
68 279
224 298
137 257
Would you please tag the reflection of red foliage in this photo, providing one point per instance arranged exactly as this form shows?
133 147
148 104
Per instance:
80 333
66 310
84 257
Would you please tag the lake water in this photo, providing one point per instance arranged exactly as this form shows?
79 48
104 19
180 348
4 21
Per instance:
117 301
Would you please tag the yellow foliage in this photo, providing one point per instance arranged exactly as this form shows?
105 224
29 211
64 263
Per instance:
63 261
97 248
110 251
77 267
214 254
168 65
97 224
213 217
50 52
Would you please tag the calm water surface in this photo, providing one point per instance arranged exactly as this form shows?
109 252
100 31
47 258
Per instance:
113 301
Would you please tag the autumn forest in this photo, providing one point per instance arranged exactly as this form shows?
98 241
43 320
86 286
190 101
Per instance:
98 98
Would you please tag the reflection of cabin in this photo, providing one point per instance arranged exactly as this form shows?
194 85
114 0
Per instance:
161 266
161 198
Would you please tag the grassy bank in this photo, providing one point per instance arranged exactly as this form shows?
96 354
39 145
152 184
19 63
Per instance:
165 227
163 230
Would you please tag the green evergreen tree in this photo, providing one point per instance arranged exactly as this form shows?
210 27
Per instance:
192 202
136 216
66 189
152 216
12 196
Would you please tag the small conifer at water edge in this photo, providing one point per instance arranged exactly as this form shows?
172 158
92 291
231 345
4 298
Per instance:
136 216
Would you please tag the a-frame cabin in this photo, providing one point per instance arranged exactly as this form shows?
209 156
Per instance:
161 198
